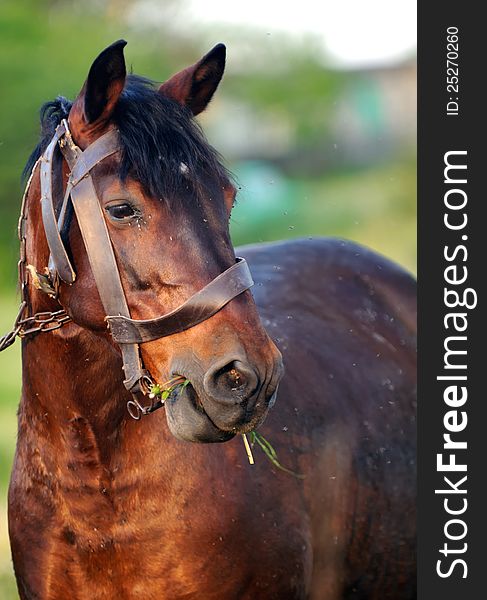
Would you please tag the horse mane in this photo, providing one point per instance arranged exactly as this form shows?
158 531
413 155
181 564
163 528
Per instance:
156 133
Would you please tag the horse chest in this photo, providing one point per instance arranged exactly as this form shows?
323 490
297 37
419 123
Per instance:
216 548
147 542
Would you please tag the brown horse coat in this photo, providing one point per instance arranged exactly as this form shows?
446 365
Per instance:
113 508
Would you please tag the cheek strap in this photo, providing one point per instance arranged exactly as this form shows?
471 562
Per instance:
94 231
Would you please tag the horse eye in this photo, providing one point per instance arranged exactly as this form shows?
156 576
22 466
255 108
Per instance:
121 212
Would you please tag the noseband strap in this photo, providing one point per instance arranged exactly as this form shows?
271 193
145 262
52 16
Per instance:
127 332
198 308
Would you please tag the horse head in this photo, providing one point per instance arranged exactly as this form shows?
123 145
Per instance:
166 200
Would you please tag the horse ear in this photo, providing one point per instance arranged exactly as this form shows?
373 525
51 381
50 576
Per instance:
194 87
101 90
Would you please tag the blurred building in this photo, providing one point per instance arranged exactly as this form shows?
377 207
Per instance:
371 119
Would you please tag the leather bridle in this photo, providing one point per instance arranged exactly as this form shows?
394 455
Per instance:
128 333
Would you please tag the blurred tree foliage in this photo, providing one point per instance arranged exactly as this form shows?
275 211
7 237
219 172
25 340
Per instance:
46 48
293 86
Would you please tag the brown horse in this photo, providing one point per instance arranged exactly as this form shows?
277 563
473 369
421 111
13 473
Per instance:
102 506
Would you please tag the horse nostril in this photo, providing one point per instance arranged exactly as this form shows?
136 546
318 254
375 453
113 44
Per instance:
232 376
234 382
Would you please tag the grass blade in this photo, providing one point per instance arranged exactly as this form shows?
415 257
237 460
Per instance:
269 451
248 449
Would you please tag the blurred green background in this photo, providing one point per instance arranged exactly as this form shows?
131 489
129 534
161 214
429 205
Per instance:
319 147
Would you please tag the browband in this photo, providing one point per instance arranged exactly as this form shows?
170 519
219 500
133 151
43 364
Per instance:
127 332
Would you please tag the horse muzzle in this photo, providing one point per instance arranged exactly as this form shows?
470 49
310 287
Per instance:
231 398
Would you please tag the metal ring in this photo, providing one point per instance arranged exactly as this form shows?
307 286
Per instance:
146 382
134 410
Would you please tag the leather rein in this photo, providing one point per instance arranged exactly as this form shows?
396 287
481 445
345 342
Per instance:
128 333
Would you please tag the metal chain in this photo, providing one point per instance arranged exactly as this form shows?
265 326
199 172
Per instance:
39 322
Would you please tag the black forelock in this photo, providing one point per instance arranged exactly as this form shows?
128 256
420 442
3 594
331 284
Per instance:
51 114
156 134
